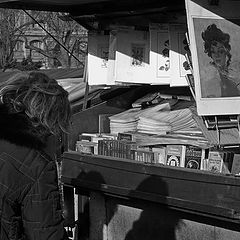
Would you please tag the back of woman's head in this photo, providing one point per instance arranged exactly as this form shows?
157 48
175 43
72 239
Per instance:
41 98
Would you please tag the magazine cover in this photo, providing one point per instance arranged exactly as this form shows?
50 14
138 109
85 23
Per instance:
214 34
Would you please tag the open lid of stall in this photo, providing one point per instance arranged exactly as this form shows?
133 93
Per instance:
97 6
87 11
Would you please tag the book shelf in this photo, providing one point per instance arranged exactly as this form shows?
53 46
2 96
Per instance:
118 190
213 195
194 195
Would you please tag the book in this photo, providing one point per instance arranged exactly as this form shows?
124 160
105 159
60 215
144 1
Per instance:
125 121
235 169
147 100
194 157
142 156
85 137
227 162
126 137
94 138
159 154
215 161
175 155
104 123
86 147
116 148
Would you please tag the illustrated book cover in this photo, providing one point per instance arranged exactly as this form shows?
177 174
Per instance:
194 157
175 155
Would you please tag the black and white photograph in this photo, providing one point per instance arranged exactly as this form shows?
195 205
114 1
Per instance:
218 57
214 37
119 120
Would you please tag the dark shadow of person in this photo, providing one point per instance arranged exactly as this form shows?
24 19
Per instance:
156 220
89 180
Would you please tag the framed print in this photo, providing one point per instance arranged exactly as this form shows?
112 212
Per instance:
159 53
98 50
214 34
179 48
131 56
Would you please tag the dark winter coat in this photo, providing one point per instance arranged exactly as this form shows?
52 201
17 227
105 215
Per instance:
29 195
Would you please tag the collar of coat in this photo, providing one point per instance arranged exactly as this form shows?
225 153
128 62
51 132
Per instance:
17 129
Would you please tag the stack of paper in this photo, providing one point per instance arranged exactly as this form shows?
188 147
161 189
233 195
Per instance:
125 121
161 118
151 140
169 122
151 126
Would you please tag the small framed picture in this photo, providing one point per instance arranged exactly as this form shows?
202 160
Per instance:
214 35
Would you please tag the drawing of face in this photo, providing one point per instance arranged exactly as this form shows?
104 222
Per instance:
218 53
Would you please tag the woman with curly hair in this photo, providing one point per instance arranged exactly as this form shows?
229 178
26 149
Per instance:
217 46
33 107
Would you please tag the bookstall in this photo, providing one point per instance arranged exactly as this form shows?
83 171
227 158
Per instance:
154 154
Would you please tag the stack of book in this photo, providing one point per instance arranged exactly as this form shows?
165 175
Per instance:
88 142
116 148
169 153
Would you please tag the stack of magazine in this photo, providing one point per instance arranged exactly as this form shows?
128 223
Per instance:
125 121
174 121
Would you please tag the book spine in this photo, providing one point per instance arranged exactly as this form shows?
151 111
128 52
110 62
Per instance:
100 147
183 154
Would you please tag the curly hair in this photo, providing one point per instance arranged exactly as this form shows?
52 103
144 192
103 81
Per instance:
41 98
211 36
